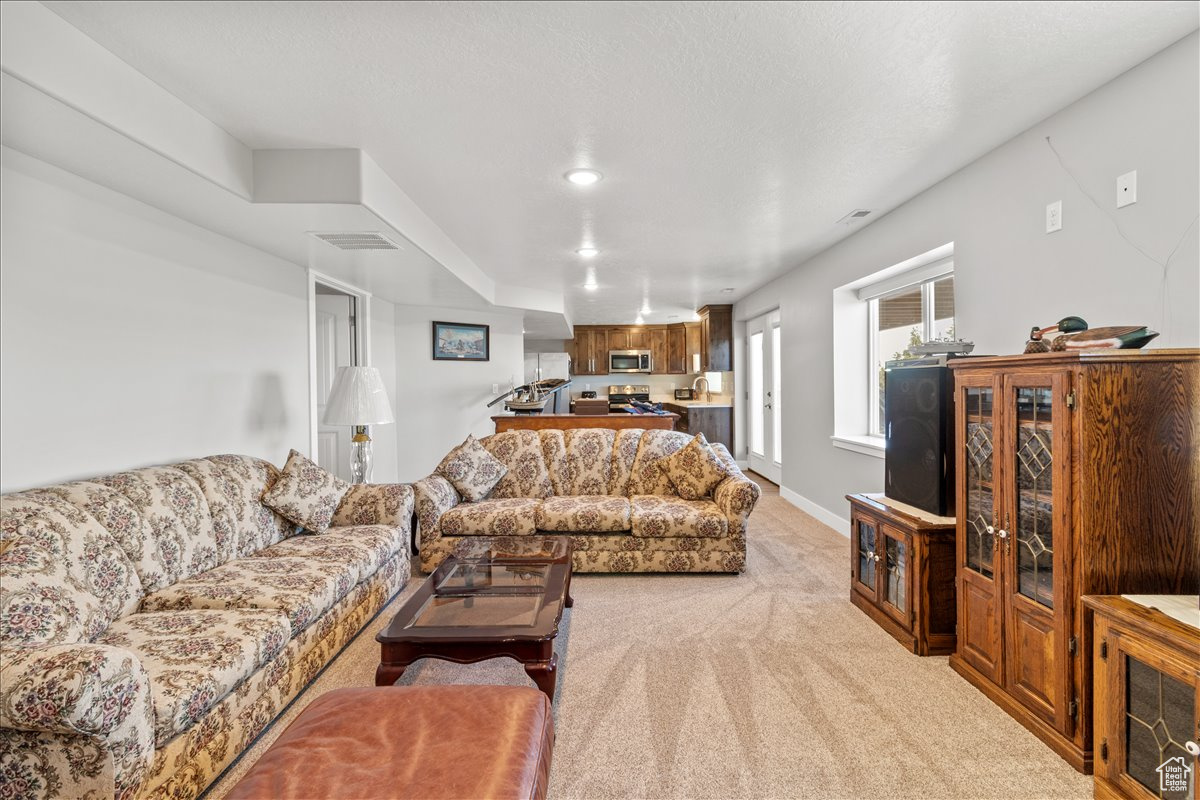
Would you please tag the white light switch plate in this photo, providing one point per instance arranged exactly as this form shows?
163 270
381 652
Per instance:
1054 216
1127 189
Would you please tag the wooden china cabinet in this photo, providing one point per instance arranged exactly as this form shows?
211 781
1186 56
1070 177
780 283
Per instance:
1147 694
1077 475
902 571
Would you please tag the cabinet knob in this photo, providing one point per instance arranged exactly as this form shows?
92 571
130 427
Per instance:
876 557
1003 534
990 529
1192 748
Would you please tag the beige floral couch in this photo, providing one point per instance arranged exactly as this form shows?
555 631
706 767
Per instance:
605 488
153 622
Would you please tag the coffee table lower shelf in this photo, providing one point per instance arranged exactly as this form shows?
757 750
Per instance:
538 658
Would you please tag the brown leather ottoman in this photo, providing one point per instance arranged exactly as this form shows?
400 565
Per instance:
427 742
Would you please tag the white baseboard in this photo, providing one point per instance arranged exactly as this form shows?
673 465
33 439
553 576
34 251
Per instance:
742 465
838 523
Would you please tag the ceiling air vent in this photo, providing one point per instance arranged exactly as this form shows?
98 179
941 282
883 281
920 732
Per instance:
854 216
358 241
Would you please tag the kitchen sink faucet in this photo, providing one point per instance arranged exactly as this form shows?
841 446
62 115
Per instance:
696 389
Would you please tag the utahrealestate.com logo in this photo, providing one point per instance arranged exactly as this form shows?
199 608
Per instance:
1173 775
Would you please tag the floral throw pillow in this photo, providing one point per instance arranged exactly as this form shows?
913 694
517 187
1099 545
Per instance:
306 494
472 470
695 470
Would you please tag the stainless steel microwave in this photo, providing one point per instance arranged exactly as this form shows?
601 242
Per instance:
630 361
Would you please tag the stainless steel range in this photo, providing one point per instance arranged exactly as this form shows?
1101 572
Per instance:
619 396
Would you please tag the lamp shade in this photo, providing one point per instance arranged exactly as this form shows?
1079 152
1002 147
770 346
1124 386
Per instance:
358 398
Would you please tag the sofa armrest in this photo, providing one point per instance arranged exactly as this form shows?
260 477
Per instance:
97 691
434 497
376 504
736 495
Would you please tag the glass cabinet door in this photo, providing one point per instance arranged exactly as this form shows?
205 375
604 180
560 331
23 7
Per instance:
980 619
979 448
1034 497
1035 504
896 550
1160 715
866 559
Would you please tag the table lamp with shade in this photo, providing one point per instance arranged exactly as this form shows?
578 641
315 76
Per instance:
358 399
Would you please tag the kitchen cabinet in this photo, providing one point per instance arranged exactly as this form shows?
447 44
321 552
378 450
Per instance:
590 351
1147 695
677 358
902 572
657 338
1078 475
715 422
716 338
692 343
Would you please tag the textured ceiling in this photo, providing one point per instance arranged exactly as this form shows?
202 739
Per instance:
732 136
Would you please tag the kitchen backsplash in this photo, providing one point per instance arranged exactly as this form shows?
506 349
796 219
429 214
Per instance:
662 387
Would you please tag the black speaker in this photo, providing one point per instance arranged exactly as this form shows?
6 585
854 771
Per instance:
919 429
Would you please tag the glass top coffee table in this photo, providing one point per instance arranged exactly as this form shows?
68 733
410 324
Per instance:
494 597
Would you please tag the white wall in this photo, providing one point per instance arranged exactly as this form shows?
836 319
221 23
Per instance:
440 402
384 446
132 338
1010 274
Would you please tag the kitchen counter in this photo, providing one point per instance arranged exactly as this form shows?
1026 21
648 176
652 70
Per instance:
697 403
517 422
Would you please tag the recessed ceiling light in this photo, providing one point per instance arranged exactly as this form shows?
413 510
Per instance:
591 287
639 320
583 177
587 252
646 307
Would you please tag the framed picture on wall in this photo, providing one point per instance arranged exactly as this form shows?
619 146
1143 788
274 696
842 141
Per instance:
460 341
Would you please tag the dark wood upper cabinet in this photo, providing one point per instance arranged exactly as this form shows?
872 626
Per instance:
677 354
589 352
659 360
1078 474
672 347
716 338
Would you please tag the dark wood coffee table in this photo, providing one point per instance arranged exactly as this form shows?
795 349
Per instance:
494 597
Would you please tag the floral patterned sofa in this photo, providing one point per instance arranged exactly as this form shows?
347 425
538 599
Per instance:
604 487
153 622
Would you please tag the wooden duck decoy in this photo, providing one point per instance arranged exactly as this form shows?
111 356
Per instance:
1117 337
1074 334
1037 342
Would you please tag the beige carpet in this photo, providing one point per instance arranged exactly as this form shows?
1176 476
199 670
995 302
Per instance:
764 685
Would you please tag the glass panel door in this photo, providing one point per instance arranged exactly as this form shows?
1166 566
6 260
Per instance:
866 535
1159 714
1034 507
897 556
764 416
1034 533
980 501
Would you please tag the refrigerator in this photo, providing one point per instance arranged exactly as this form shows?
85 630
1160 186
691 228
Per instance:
539 366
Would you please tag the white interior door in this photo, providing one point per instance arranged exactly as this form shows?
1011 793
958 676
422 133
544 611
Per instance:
335 348
764 401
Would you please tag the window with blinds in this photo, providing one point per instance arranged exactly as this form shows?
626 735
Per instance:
905 310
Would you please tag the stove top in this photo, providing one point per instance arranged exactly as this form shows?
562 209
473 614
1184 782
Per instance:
619 396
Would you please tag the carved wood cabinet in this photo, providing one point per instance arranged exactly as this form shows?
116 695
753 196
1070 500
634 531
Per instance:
902 572
1077 474
1147 696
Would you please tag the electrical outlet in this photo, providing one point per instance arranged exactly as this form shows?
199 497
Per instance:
1127 189
495 388
1054 217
